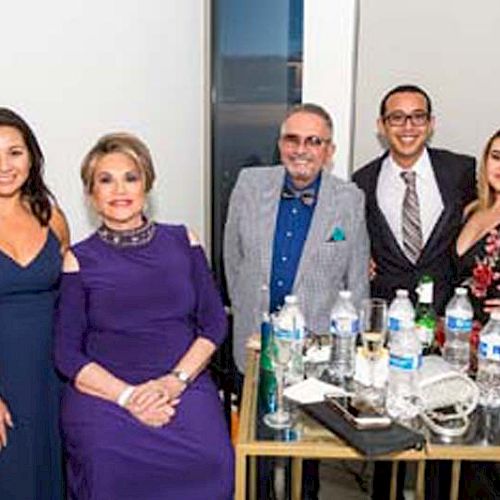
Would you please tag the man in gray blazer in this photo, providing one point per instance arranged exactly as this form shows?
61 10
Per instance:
294 228
264 244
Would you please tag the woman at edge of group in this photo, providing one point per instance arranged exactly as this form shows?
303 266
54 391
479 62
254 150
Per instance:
478 245
138 320
33 237
478 249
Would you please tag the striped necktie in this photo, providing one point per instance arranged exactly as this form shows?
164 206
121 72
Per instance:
412 227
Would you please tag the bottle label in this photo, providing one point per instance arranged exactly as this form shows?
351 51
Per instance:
463 325
426 292
489 350
405 363
288 334
425 334
397 324
344 325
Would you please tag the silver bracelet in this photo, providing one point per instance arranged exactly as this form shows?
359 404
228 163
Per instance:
125 395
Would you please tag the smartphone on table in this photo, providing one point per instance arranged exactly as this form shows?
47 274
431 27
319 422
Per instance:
358 412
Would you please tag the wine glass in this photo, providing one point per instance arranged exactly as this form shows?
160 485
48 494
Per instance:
281 354
373 319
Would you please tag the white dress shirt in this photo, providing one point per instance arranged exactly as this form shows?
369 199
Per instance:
391 190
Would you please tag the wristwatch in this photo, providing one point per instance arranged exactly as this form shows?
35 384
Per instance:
182 376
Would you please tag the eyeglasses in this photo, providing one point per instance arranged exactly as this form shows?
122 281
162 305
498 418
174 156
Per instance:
309 142
398 118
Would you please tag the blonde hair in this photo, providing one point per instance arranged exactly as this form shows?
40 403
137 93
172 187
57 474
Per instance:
485 193
118 142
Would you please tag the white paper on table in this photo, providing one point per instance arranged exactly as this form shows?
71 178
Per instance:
311 390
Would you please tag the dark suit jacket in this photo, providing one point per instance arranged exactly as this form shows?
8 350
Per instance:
455 176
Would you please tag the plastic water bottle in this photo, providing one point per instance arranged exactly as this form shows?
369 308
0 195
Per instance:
401 314
405 360
488 373
291 324
458 327
344 328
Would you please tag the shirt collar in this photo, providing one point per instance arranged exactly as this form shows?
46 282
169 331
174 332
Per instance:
422 167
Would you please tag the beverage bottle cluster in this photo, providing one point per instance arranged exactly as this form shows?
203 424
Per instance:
344 328
488 374
458 328
405 352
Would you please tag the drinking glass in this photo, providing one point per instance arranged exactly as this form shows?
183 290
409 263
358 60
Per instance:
373 319
281 355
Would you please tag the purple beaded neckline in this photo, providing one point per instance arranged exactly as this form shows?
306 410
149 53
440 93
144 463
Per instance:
128 238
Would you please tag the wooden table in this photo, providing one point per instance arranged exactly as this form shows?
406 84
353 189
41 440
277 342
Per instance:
317 442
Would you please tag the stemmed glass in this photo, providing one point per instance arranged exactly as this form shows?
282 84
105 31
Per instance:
373 319
281 355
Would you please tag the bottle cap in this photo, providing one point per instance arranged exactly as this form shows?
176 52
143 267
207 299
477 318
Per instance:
291 299
402 293
460 290
345 294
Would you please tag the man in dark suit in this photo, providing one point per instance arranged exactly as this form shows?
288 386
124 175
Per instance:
415 196
444 182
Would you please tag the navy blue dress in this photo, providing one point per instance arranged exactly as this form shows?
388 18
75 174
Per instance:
30 465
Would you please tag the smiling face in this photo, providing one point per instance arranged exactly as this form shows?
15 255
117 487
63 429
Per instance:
15 162
305 147
493 166
407 141
118 191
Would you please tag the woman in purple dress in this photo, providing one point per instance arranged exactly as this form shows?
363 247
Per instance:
139 318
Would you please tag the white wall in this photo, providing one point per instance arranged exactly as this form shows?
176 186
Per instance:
329 65
449 47
76 70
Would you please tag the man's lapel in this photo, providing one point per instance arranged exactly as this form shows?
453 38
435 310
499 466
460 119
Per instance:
449 208
380 227
326 212
269 200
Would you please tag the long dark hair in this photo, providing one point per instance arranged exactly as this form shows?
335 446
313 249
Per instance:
34 190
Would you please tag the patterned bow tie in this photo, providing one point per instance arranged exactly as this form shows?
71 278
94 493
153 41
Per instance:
306 196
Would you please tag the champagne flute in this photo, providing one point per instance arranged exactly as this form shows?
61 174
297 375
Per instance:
373 318
281 355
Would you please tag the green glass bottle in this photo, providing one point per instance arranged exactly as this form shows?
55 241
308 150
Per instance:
267 376
425 315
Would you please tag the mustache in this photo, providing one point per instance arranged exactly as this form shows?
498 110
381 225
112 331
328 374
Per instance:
302 157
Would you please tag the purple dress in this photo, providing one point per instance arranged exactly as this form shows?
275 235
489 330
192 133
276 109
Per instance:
136 310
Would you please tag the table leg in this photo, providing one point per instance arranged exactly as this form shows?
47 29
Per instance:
296 478
455 479
420 486
252 486
394 480
241 476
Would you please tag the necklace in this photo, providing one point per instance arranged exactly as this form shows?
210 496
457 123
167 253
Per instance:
129 237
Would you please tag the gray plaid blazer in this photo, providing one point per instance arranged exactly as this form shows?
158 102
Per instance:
334 257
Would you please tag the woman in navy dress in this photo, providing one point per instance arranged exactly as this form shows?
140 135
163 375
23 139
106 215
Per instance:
32 235
139 318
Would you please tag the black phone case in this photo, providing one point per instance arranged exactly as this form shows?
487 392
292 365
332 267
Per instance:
369 442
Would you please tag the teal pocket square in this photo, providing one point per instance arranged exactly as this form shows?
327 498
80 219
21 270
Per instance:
338 234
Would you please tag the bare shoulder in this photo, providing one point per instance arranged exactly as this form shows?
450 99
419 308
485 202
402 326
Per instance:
70 262
194 240
59 225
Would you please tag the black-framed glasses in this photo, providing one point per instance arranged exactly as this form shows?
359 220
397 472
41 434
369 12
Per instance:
309 142
398 118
